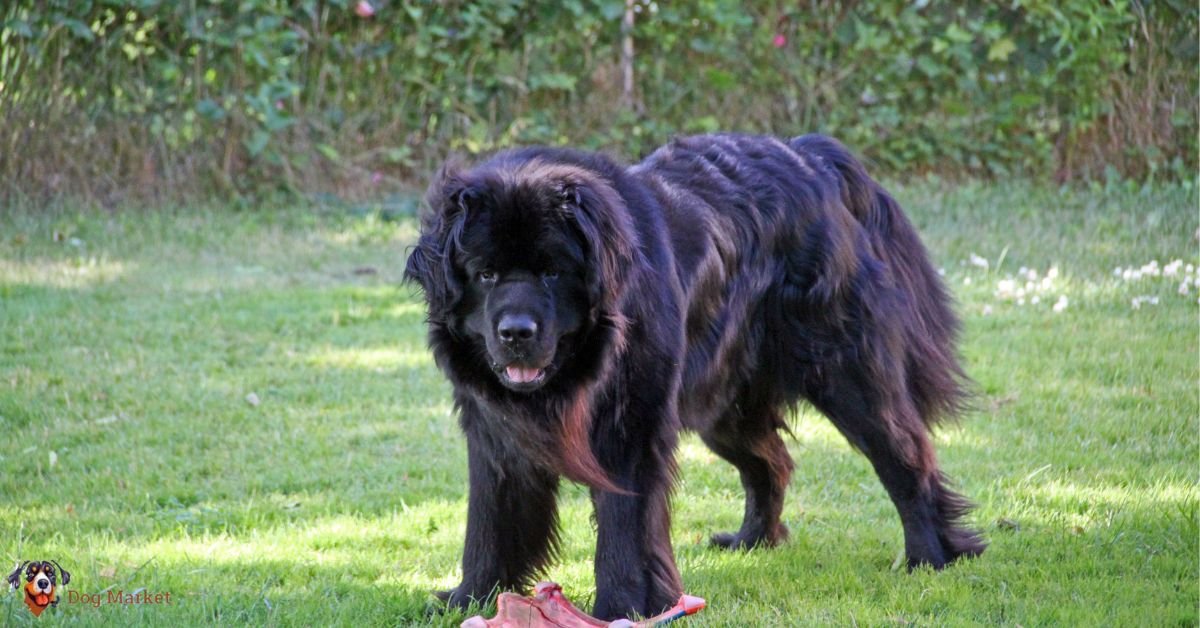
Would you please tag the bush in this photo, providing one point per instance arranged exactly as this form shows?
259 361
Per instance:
109 98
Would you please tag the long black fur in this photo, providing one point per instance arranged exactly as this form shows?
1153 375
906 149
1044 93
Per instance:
711 287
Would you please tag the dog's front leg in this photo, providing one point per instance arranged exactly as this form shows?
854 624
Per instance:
635 564
512 521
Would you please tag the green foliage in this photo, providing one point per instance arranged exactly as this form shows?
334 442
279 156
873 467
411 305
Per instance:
99 96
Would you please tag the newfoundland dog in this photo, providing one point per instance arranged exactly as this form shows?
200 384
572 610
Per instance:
586 312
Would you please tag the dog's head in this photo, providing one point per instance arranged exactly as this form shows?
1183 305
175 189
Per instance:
42 579
520 257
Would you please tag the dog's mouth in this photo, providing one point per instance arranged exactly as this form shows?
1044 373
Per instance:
523 374
526 373
523 378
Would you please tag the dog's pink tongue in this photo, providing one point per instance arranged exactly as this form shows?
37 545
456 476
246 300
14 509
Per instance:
522 375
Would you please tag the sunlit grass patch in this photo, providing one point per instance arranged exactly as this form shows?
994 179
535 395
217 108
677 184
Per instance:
76 272
373 358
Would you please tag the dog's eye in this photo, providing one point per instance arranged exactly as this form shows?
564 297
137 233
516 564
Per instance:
486 276
549 274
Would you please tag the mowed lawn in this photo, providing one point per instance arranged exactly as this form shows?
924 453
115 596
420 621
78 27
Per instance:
238 408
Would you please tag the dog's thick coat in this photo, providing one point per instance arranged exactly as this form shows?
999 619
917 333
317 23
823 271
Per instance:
585 312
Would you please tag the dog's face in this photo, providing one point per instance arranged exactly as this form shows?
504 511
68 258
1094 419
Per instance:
515 264
41 583
522 261
40 578
524 283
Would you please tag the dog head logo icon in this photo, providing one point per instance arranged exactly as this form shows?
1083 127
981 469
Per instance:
41 583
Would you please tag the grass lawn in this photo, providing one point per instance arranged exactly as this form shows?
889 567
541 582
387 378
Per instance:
238 408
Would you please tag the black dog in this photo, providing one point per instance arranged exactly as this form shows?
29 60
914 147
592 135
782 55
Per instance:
586 312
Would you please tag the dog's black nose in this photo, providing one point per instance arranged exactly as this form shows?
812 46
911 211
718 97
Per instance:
516 328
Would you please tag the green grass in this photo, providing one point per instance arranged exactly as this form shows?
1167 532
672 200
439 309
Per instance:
132 455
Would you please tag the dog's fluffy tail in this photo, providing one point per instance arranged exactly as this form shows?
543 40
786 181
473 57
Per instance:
935 379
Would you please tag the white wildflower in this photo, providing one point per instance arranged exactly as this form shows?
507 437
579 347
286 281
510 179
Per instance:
941 272
1183 288
1117 271
1005 288
1021 301
987 310
979 261
1190 269
1035 300
1052 273
1031 275
1060 304
966 281
1172 269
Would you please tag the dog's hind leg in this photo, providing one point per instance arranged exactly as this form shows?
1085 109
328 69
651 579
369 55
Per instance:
749 439
885 426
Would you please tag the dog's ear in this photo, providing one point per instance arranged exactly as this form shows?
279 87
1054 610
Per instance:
569 194
14 578
450 193
431 265
431 262
603 219
64 575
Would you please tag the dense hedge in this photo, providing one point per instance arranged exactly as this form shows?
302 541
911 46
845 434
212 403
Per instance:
116 97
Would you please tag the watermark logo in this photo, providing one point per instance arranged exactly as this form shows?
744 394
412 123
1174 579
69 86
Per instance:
39 582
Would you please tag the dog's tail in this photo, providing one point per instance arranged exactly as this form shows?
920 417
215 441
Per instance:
935 379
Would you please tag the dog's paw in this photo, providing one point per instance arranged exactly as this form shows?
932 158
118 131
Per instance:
459 598
438 608
454 598
746 541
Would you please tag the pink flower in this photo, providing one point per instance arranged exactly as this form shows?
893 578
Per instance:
376 177
779 41
364 9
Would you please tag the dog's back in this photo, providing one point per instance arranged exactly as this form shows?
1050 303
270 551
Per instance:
767 233
805 280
